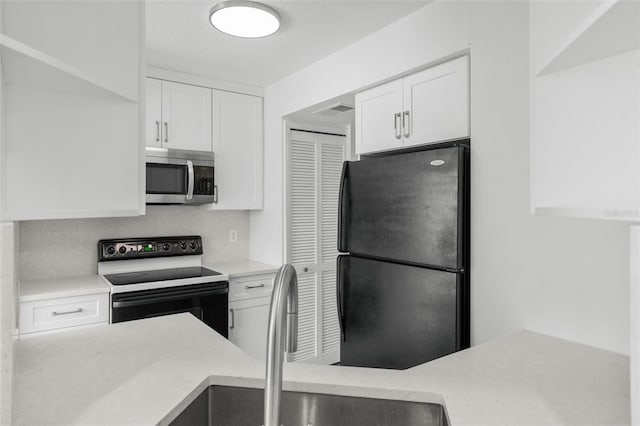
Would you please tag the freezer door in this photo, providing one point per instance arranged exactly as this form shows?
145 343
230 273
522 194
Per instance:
396 316
406 207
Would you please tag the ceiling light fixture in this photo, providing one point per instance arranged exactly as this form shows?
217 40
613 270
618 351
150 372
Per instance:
242 18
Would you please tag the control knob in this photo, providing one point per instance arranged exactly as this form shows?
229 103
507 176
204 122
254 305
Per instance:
122 249
183 245
111 250
193 245
166 247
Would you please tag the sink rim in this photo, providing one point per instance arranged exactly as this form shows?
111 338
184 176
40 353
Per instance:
392 394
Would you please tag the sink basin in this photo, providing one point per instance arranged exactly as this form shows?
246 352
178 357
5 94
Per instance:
239 406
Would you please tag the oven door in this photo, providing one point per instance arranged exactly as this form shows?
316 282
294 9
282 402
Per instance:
179 177
207 302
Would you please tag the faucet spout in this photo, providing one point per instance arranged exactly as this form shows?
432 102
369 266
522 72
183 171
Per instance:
285 295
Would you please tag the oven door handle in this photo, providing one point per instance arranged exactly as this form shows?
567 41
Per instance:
142 299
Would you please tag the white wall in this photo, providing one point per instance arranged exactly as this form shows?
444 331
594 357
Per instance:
7 287
565 277
562 277
58 248
8 309
634 352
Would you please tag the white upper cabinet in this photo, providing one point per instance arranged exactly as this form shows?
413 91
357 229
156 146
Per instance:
72 143
186 117
585 63
436 103
153 122
378 118
426 107
238 148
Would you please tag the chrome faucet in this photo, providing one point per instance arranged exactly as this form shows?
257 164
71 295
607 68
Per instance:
285 287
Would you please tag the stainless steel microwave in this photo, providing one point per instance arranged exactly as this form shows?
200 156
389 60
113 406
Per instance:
179 176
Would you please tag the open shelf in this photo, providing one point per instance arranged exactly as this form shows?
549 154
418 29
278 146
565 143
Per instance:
26 66
611 29
622 215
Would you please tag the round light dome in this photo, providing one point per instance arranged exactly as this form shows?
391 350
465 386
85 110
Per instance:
243 18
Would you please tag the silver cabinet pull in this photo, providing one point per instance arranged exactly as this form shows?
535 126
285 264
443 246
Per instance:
166 131
233 319
215 194
396 118
406 125
77 311
249 287
191 182
157 131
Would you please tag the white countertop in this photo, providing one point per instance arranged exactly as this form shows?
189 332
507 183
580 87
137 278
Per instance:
144 372
243 268
61 287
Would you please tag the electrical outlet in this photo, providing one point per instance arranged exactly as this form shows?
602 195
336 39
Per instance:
233 236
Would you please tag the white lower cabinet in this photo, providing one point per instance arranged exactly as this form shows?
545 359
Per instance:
249 301
248 325
63 312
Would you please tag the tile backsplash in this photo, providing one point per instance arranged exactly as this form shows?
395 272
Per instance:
58 248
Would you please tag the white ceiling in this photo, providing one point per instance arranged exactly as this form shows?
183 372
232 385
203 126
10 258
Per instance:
180 38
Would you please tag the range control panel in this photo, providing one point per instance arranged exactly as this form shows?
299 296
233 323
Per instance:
141 248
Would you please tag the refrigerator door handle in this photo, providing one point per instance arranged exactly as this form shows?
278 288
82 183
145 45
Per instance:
342 207
339 296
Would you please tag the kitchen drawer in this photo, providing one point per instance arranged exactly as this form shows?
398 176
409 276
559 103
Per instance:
250 287
50 314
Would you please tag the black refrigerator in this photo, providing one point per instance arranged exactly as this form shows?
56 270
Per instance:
403 277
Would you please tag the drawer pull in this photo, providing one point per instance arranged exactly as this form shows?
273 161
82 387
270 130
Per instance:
249 287
77 311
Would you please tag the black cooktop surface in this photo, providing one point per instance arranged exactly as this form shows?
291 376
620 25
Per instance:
160 275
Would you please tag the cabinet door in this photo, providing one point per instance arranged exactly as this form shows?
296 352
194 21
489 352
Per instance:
153 112
248 321
378 125
437 100
186 117
237 144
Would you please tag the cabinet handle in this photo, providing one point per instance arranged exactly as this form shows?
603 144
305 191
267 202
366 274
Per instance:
157 131
215 194
396 118
406 126
166 131
233 319
249 287
77 311
305 269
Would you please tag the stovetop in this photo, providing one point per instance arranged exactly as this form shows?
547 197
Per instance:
139 277
136 264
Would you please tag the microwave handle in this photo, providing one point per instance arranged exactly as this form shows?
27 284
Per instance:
191 180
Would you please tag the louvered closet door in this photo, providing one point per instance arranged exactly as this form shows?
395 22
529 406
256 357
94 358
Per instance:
314 167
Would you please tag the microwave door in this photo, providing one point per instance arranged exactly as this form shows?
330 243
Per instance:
167 183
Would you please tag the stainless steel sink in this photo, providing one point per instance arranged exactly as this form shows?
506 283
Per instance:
238 406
